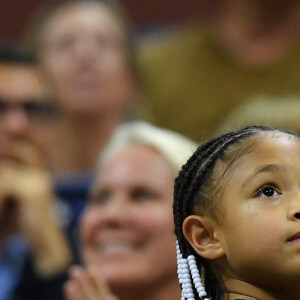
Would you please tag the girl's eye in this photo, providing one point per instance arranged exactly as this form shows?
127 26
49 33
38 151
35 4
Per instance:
267 191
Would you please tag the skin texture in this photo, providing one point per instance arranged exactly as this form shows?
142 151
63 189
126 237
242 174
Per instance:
127 229
252 246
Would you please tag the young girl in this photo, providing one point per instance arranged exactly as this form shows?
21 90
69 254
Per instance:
237 217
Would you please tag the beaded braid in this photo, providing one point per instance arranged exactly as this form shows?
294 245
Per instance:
193 179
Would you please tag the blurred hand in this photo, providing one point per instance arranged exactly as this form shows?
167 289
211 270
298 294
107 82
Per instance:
25 198
23 152
87 284
25 187
26 206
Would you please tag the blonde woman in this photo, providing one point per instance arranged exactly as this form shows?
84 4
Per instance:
127 234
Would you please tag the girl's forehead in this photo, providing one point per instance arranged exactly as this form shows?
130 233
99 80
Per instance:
262 148
264 141
273 141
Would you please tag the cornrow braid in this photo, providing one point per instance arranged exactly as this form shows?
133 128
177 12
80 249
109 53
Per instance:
190 190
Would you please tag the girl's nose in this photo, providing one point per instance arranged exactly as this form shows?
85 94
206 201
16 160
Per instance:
297 216
294 213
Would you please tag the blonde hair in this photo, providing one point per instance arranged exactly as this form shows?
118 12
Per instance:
173 146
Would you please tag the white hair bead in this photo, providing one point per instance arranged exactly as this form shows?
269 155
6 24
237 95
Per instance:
195 272
198 286
197 280
202 293
187 271
186 280
190 296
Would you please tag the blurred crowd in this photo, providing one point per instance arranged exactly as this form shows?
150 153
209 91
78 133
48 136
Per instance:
96 122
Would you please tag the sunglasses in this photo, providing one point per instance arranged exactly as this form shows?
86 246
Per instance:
34 109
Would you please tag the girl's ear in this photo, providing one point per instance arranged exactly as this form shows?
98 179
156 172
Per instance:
202 234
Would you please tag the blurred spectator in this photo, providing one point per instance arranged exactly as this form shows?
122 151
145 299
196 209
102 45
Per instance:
239 50
274 112
27 108
27 224
127 235
86 48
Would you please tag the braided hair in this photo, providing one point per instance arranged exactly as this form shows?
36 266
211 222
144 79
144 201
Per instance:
193 187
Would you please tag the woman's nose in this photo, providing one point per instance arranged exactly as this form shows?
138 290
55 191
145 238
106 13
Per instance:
112 216
117 212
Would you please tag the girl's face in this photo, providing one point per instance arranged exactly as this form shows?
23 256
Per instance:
260 208
83 49
127 229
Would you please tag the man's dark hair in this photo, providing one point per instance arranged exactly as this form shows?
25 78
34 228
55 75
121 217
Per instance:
10 53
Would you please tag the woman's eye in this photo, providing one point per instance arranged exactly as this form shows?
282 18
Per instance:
142 195
101 197
267 191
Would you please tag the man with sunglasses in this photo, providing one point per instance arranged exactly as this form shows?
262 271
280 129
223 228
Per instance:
26 107
27 198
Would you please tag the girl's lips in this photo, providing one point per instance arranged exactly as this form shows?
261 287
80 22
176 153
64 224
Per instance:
295 237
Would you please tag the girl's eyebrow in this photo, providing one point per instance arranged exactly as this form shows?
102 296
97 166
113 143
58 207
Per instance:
273 168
